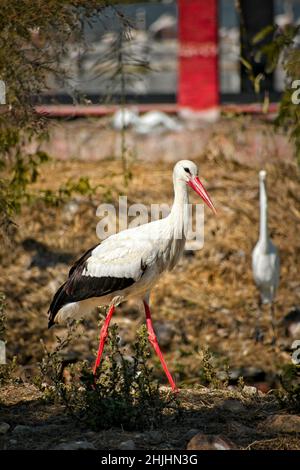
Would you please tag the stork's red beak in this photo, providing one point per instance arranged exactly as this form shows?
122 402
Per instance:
198 187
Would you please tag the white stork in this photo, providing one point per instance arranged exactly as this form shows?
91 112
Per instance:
129 263
265 258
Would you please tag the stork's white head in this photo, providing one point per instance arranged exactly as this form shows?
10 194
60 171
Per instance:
262 175
186 171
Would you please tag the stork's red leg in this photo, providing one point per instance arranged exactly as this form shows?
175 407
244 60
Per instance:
102 337
153 341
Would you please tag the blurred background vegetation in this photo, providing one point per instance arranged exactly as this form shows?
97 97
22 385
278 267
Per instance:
34 38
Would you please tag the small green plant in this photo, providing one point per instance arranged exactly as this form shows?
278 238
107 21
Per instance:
209 372
50 379
6 370
289 394
122 394
241 383
82 187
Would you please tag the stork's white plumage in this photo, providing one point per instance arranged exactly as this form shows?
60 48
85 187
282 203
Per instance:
129 263
265 257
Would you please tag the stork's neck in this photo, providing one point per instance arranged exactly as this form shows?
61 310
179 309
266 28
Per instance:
180 210
263 202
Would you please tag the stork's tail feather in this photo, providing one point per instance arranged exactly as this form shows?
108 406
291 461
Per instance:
58 301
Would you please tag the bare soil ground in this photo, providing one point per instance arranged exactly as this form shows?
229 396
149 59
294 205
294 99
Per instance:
241 421
209 300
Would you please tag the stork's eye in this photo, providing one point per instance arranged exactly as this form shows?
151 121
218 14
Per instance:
187 170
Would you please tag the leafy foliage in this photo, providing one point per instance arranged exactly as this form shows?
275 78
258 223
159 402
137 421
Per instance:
34 38
82 187
278 45
123 393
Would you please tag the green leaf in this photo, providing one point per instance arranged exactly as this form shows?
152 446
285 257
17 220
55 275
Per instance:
246 63
256 82
263 34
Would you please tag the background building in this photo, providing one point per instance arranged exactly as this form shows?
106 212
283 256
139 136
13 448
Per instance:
193 48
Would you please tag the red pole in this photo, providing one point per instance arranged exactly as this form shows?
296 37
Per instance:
198 86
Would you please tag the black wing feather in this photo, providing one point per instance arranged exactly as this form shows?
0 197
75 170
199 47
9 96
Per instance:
81 262
79 287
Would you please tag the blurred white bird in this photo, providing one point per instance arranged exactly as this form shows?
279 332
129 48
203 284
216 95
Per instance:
124 118
148 123
156 121
265 259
